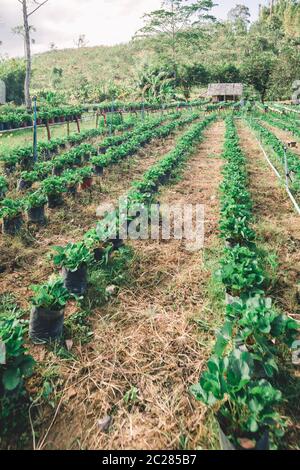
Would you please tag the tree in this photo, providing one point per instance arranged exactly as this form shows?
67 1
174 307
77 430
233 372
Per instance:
191 75
286 71
225 73
156 82
36 5
56 76
174 19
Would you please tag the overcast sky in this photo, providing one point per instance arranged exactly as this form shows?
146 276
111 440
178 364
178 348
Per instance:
104 22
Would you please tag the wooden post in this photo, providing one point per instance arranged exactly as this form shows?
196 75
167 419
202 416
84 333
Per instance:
68 128
78 125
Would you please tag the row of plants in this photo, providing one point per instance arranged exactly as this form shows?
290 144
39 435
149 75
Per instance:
240 383
49 193
15 119
24 155
83 152
97 244
139 139
52 188
270 139
18 118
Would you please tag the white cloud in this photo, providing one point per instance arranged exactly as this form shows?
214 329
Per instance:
61 21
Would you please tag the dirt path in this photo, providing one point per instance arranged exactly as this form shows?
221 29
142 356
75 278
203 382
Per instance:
277 223
24 261
153 339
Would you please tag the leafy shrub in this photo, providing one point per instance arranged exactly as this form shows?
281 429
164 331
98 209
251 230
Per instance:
250 406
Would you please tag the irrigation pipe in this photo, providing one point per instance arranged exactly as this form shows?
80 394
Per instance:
277 174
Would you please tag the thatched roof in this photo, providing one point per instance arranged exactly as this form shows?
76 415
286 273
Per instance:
225 89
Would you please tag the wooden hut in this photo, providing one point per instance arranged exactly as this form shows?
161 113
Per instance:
225 92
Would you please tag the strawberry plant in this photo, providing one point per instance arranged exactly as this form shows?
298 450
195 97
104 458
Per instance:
53 186
85 172
15 366
240 271
35 200
72 178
